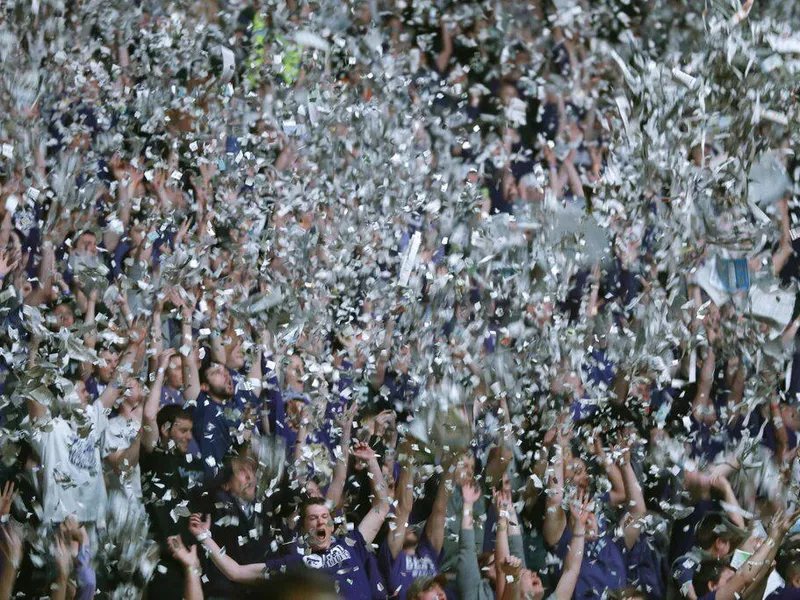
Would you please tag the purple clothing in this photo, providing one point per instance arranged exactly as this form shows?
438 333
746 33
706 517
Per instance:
604 567
785 593
170 396
401 571
345 560
86 580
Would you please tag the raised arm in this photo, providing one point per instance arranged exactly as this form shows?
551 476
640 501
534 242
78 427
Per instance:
371 523
36 411
90 333
579 514
192 583
191 370
636 505
502 504
404 494
760 561
253 573
702 406
150 433
555 521
434 527
468 572
336 488
729 502
617 495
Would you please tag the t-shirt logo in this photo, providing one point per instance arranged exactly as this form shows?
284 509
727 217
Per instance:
336 555
82 453
417 566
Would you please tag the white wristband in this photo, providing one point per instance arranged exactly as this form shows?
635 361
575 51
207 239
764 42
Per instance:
201 537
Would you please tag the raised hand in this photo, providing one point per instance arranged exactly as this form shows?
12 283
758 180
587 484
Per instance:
363 452
579 511
511 566
471 492
164 358
186 556
198 525
62 556
7 498
7 262
502 502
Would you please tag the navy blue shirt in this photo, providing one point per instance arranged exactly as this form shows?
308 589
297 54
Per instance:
785 593
213 429
604 567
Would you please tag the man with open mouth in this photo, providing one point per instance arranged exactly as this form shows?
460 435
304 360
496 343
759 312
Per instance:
346 559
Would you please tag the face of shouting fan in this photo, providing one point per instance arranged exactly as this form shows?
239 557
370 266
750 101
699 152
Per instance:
318 526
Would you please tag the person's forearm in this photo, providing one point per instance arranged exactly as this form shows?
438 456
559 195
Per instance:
572 566
633 491
436 521
86 579
405 499
58 589
512 590
467 517
192 584
501 552
217 349
751 569
378 484
8 577
227 566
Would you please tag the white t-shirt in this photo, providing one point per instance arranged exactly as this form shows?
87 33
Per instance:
72 467
120 434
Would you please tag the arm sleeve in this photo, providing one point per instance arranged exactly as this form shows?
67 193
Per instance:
467 571
85 576
515 547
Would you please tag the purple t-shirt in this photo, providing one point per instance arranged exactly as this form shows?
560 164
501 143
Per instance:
346 560
604 566
785 593
401 571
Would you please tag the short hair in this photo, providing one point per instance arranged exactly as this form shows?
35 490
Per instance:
709 571
627 593
308 502
171 413
710 528
206 363
788 562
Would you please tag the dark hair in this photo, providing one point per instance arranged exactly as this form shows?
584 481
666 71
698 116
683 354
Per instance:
709 571
205 364
171 413
308 502
788 563
627 593
711 528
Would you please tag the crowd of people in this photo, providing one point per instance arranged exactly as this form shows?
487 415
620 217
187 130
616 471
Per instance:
343 299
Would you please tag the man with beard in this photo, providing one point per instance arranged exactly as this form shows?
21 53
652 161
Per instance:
344 558
216 420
